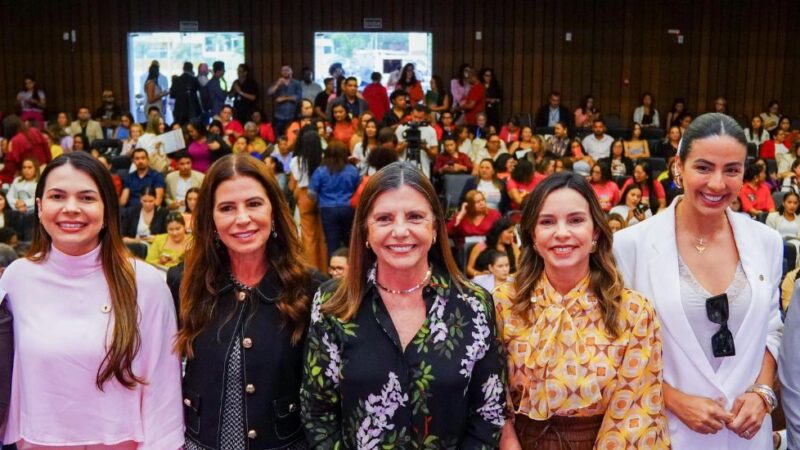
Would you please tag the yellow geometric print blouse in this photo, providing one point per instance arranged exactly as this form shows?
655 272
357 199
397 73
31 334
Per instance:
563 363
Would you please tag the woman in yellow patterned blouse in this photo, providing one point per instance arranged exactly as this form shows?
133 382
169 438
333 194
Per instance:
584 354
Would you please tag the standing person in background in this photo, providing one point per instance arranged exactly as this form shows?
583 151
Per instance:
713 276
31 102
376 97
475 100
24 142
202 74
309 87
245 94
494 95
437 99
332 185
154 93
408 82
307 158
186 92
321 100
103 321
216 91
459 86
354 105
285 92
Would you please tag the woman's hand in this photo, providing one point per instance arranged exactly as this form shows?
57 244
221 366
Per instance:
509 440
640 216
20 205
701 414
749 410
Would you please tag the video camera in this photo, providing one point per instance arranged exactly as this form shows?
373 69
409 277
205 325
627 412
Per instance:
413 137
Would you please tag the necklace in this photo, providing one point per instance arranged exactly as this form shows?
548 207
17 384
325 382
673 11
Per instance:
701 244
244 290
405 291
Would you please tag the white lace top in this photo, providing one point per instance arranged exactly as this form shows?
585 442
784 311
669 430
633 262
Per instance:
693 298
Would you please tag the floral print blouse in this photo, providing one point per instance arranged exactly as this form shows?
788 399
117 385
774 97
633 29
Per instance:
564 363
445 390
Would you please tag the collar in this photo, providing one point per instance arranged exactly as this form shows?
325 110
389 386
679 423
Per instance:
544 295
267 290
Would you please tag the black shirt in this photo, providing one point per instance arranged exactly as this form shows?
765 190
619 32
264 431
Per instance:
446 389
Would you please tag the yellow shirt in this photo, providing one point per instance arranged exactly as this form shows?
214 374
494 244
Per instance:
787 288
157 249
565 364
56 151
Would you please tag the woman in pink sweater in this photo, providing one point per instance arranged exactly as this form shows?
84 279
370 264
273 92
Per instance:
93 328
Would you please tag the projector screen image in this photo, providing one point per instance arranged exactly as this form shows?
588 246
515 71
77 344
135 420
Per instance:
171 50
363 53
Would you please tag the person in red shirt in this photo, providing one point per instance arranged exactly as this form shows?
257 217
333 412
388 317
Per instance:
604 186
24 142
231 127
755 195
475 101
522 182
768 149
376 97
409 83
474 219
343 128
451 160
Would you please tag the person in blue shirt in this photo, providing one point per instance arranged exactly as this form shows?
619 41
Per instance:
286 92
332 185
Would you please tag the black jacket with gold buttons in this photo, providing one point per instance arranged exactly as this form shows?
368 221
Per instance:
272 369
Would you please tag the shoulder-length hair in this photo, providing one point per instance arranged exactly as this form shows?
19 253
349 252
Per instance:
604 280
207 261
347 299
335 158
117 267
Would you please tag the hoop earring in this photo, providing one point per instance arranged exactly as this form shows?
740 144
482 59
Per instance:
367 244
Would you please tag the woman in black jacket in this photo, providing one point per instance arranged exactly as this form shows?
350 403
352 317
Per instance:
245 309
140 223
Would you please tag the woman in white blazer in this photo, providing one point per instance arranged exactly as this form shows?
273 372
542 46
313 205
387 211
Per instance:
718 374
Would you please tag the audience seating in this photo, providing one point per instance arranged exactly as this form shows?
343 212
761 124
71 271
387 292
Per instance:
108 147
657 165
777 197
453 185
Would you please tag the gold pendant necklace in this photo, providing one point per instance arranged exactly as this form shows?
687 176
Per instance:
701 245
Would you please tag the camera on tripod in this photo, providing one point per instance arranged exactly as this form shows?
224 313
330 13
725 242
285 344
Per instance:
413 137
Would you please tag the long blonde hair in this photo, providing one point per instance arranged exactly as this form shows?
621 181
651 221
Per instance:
604 280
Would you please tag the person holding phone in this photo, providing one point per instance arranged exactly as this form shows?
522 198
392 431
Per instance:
631 207
713 277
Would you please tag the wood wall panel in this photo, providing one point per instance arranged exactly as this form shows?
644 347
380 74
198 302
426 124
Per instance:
740 49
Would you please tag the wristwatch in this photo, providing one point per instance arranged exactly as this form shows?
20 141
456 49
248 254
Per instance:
766 393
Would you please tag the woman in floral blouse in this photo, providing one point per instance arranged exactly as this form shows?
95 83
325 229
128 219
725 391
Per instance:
584 354
404 352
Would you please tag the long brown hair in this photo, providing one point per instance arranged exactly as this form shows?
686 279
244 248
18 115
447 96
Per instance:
207 260
347 299
604 280
117 267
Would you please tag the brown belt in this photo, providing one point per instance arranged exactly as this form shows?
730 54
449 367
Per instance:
558 432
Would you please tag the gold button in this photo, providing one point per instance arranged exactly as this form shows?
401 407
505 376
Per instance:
247 342
250 389
187 402
242 296
252 434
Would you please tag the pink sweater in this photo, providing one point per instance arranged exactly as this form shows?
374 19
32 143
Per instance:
60 331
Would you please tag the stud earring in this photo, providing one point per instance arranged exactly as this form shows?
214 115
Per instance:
594 247
367 244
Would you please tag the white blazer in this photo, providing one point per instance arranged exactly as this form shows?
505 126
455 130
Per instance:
647 257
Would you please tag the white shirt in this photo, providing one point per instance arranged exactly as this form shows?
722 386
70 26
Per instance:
300 176
428 135
598 148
